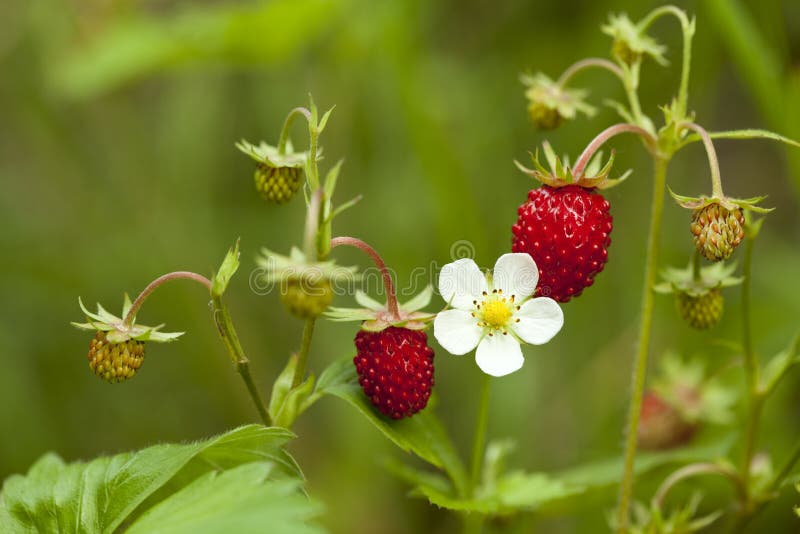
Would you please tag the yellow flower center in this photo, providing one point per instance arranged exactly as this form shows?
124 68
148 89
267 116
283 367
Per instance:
496 312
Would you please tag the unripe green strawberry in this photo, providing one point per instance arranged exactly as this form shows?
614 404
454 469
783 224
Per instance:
701 311
717 230
306 299
115 362
277 184
544 117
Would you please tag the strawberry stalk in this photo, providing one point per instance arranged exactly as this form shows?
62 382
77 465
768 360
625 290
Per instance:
287 125
388 283
605 135
224 327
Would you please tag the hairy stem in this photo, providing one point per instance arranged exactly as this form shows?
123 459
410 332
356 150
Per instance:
302 356
287 125
388 283
755 396
583 64
713 162
152 286
602 137
479 439
640 363
231 341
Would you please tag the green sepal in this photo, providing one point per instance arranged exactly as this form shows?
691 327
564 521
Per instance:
279 268
626 33
116 329
714 276
693 203
226 271
375 316
710 401
567 103
560 173
271 156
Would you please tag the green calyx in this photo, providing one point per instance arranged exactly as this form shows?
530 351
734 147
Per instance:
306 287
699 398
271 156
731 204
715 276
376 316
697 291
550 104
560 173
631 44
117 330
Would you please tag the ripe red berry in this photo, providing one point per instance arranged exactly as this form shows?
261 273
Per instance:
566 231
661 425
395 369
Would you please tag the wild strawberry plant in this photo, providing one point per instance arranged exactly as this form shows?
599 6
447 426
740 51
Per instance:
245 479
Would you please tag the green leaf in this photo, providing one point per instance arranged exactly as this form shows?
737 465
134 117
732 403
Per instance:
777 367
242 499
287 403
104 493
139 46
422 434
516 492
226 271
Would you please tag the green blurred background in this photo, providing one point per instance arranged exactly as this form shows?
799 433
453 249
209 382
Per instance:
117 164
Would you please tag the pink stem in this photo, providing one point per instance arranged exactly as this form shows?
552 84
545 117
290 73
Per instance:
152 286
388 284
604 136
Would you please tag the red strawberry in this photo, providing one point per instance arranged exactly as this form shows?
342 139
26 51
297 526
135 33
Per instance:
566 231
395 369
661 425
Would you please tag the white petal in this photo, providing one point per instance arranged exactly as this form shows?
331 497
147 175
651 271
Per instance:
499 355
539 320
461 282
516 274
456 331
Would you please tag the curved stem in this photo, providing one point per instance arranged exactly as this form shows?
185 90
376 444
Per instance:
152 286
640 363
302 356
688 33
287 125
602 137
231 341
583 64
388 283
693 470
479 440
713 162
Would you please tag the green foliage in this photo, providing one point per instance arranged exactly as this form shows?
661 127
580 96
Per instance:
174 487
230 264
423 434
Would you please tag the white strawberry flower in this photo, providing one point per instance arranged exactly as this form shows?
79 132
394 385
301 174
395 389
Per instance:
494 313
